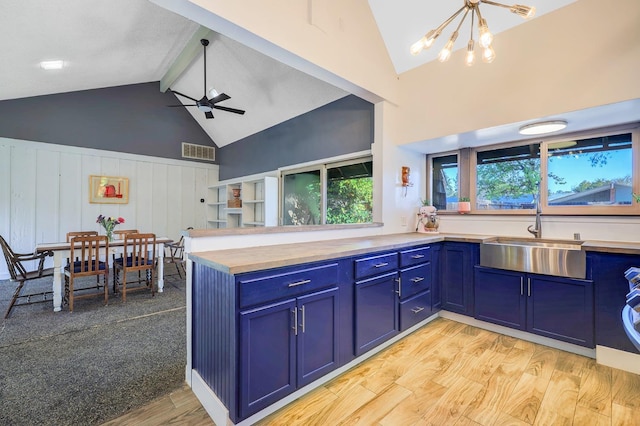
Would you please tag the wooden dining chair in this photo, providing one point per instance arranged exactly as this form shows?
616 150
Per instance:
70 235
88 251
139 256
18 272
120 233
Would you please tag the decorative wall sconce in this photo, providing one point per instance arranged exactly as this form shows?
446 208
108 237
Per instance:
406 179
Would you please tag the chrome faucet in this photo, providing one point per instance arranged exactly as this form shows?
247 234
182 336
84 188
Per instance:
537 231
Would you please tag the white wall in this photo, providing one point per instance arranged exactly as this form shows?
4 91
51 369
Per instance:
44 193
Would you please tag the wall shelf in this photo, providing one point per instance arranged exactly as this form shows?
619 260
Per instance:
259 204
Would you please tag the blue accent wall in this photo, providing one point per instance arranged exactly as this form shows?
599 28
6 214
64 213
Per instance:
134 119
341 127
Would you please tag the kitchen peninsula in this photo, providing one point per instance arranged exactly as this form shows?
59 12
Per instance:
267 324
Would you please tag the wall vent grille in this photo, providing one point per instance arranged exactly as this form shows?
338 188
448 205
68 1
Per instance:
198 152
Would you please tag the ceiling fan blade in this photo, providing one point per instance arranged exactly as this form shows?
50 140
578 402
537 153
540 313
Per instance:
181 105
221 97
184 96
208 114
235 111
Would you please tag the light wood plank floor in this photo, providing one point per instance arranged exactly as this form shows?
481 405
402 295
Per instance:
448 373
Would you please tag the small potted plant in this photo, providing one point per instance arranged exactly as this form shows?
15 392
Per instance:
464 205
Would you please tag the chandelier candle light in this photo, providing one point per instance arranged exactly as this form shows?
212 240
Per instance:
485 38
108 223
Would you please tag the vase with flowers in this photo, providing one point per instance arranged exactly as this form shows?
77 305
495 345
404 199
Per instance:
108 223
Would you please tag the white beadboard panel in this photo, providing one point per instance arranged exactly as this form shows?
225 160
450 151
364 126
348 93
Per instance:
5 192
128 211
187 197
47 199
159 200
174 200
201 187
70 195
24 181
90 165
44 192
143 196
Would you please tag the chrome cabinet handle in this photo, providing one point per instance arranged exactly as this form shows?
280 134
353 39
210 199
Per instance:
302 317
399 291
528 287
417 256
417 279
301 282
294 311
380 265
417 309
521 286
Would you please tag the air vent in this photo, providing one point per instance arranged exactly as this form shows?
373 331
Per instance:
198 152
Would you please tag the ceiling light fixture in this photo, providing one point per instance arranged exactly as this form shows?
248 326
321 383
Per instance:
543 127
52 65
484 35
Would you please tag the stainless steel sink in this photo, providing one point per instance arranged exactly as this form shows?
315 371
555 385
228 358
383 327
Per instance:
563 258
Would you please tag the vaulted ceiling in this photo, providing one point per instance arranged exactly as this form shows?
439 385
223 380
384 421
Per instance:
121 42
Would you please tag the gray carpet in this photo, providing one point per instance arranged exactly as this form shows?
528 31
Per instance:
92 365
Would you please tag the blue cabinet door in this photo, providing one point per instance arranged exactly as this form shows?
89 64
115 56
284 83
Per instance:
436 275
376 311
499 297
561 308
268 356
317 335
458 260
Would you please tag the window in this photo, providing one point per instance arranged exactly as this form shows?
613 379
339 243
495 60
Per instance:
590 172
444 178
593 175
507 178
332 193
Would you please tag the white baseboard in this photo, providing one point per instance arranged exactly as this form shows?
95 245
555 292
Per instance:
616 358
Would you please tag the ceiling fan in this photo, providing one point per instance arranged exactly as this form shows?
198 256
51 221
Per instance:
205 104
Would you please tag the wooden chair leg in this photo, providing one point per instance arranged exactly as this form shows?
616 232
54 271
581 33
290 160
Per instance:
16 294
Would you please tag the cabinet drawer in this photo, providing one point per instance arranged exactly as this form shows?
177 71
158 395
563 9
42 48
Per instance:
415 280
374 265
415 256
414 310
287 284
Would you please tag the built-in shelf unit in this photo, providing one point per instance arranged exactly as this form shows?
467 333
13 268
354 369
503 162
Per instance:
259 203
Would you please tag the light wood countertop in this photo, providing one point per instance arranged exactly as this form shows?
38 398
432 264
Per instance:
235 261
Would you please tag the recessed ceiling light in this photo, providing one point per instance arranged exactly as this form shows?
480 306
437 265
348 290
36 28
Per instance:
543 127
52 65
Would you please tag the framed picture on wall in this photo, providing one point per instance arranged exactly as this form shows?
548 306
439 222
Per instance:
108 189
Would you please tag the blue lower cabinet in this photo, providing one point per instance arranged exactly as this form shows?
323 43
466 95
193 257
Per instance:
555 307
376 314
561 308
415 309
499 297
285 346
456 280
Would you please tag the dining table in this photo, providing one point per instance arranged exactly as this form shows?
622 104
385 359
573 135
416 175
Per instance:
62 251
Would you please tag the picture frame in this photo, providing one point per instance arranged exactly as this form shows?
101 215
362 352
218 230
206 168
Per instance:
108 189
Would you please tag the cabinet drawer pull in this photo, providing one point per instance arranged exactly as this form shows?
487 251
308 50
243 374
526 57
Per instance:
417 279
417 256
417 309
301 282
380 265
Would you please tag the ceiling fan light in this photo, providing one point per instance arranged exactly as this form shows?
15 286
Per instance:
543 127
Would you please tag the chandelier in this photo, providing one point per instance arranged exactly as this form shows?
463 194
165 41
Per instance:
485 38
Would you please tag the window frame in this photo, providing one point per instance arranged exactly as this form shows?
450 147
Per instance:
469 175
322 167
